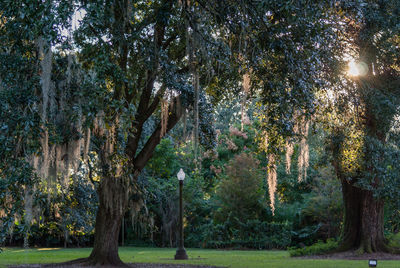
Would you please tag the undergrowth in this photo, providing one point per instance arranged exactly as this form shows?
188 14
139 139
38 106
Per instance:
318 248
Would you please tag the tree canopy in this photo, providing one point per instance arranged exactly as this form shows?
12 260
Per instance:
93 93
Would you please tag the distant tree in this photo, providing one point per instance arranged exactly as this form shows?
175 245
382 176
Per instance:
240 192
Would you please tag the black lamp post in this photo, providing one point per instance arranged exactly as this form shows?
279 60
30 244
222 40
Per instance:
181 252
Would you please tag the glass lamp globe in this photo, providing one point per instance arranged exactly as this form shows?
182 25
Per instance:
181 175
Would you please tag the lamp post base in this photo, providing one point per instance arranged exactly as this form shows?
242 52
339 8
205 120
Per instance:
181 254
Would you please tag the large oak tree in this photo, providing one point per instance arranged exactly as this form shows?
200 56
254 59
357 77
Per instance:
364 143
143 54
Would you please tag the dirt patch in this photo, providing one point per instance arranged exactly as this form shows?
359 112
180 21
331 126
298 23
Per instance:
353 255
131 265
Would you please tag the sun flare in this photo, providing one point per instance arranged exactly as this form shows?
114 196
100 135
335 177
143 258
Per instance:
353 69
357 68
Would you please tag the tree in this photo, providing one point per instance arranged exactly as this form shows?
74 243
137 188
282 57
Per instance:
132 69
131 56
289 81
288 50
240 193
137 51
135 54
364 144
34 105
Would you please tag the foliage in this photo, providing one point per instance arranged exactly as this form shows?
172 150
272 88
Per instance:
132 59
394 240
240 193
324 204
318 248
159 192
392 216
251 234
65 216
19 129
306 211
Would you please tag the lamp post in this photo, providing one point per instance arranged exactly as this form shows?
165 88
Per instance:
181 252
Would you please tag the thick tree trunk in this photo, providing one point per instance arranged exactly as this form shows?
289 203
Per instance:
363 221
112 205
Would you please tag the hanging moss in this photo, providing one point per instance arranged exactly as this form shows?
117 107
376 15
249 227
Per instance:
45 57
272 181
303 162
288 156
164 117
245 92
58 159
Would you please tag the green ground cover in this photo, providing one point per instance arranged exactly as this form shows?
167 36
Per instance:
228 258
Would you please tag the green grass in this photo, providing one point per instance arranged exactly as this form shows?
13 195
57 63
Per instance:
231 258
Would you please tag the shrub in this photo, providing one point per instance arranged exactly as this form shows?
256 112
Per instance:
394 240
253 234
240 193
318 248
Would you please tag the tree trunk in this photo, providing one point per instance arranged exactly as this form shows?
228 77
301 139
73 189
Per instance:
112 205
363 221
113 200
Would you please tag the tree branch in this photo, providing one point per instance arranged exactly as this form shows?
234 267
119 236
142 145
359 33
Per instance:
156 101
146 153
144 111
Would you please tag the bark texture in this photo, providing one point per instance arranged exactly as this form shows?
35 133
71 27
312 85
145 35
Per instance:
363 221
112 206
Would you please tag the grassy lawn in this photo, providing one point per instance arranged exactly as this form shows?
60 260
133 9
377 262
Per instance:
232 258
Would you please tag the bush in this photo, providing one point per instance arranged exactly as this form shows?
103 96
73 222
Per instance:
394 240
62 215
253 234
318 248
240 193
324 207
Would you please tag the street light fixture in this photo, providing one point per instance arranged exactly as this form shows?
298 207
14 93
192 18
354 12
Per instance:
181 252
